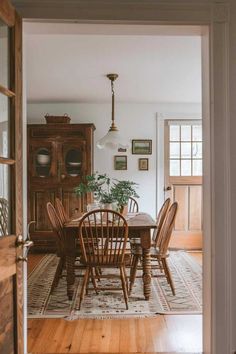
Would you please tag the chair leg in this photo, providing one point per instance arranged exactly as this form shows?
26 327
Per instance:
57 274
168 275
84 285
133 272
98 273
92 272
126 280
123 282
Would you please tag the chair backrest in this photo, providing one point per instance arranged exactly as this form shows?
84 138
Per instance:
3 217
167 228
57 228
160 219
103 236
61 213
133 205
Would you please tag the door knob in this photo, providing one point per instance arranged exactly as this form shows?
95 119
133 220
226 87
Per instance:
22 259
167 188
25 243
63 176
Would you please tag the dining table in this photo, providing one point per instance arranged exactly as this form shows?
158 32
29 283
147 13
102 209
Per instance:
140 226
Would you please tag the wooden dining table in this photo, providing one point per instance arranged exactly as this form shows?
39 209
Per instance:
140 226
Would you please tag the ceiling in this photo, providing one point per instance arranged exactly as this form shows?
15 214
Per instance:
68 62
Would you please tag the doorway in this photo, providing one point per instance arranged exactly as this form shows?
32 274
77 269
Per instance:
43 325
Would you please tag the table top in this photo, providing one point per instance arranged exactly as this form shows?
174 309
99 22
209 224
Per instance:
134 220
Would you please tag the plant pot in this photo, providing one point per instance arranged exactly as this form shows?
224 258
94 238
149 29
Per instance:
108 206
124 210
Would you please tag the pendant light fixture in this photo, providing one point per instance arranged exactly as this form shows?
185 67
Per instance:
112 140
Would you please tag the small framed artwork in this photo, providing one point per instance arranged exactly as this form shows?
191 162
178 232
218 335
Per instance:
143 164
142 147
120 162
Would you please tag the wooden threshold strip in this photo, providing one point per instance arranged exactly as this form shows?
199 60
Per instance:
6 92
6 161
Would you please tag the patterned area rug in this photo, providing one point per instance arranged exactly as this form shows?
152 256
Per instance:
187 277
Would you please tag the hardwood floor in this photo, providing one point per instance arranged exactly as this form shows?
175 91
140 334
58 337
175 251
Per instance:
163 334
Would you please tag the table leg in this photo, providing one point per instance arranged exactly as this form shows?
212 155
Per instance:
147 276
70 253
70 275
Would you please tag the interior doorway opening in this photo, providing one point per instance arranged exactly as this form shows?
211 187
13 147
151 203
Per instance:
172 321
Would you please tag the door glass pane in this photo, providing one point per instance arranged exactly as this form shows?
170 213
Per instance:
4 126
185 150
197 167
174 167
4 55
4 200
185 132
185 167
174 133
197 150
197 133
174 150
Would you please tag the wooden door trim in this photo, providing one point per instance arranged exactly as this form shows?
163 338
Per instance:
16 182
7 13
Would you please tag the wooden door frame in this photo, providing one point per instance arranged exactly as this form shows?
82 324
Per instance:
214 17
9 16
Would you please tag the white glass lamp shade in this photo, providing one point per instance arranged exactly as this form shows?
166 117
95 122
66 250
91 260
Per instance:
112 140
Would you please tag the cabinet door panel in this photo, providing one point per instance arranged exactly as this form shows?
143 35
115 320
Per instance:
72 203
39 200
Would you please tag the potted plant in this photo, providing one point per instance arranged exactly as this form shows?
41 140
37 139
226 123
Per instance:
122 191
112 194
99 185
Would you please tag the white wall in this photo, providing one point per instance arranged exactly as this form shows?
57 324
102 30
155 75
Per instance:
135 121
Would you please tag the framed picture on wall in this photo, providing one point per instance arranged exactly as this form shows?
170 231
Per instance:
143 164
120 162
141 147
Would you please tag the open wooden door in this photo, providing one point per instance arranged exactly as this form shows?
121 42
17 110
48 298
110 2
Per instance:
183 180
11 243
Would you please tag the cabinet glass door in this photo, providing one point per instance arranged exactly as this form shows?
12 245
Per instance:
73 162
43 161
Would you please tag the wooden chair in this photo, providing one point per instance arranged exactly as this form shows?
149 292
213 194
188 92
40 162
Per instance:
160 253
61 211
160 219
3 217
136 242
103 236
57 227
133 205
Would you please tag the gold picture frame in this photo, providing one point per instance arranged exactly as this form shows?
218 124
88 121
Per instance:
142 147
143 164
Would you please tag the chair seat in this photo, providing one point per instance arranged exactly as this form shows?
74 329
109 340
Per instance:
108 260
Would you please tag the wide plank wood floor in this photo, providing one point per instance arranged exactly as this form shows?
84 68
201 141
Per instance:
163 334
